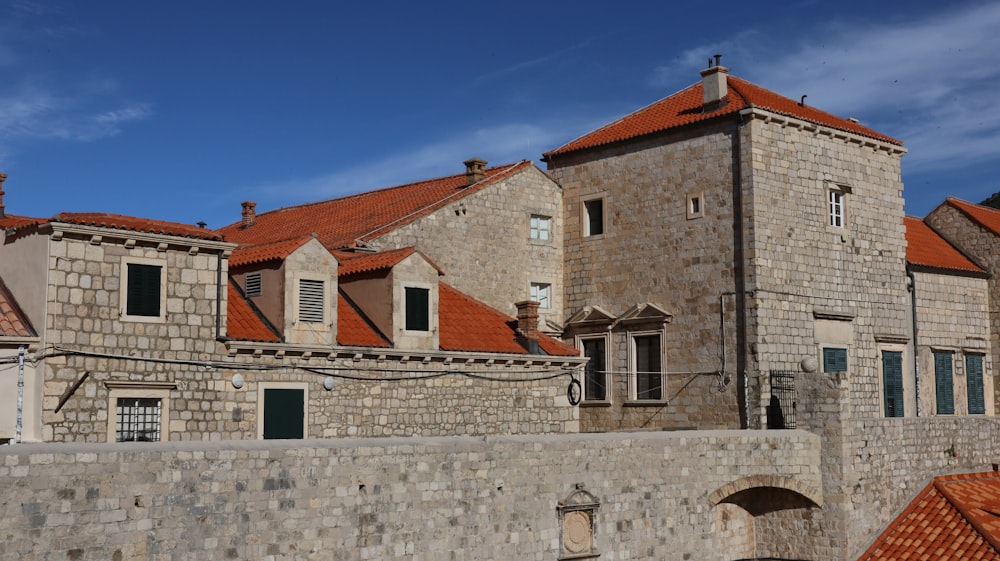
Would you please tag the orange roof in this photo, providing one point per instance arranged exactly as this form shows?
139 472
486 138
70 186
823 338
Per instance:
342 222
253 254
352 328
469 325
118 222
988 218
685 108
926 248
13 322
11 222
353 263
956 517
243 323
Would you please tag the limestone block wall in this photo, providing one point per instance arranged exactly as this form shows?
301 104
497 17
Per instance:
980 244
653 250
482 242
417 498
952 316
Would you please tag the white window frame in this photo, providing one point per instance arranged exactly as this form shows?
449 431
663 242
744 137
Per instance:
123 289
138 390
297 297
535 290
633 374
695 205
540 228
836 206
579 342
262 386
585 216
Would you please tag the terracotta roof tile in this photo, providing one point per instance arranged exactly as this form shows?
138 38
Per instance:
952 519
353 330
13 322
11 222
469 325
243 323
354 263
339 223
685 108
985 216
254 254
131 223
926 248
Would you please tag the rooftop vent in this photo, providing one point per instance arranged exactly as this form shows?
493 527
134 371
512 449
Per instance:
475 170
713 84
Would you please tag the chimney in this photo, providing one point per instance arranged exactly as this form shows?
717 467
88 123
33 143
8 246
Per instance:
475 170
527 319
713 83
249 214
3 177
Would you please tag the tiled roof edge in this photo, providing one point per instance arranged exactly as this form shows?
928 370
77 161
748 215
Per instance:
957 204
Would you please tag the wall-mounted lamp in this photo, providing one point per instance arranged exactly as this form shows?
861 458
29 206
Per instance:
238 381
328 383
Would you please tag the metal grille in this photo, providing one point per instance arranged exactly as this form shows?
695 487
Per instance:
137 419
781 408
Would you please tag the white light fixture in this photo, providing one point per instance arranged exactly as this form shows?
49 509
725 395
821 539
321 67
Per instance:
238 381
328 383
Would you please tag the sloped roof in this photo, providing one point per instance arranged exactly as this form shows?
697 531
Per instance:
924 247
13 322
354 263
132 223
954 518
988 218
11 222
469 325
242 321
353 330
685 108
340 223
254 254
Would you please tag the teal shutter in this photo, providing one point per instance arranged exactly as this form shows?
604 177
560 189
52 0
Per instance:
417 309
892 382
143 290
594 383
943 385
284 413
834 360
974 384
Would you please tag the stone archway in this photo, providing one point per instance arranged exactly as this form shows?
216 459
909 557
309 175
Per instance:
761 494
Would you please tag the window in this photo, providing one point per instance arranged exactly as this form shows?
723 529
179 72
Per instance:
836 202
892 383
143 293
593 220
284 410
647 362
595 377
943 386
974 384
541 293
137 419
834 360
417 304
695 206
311 300
541 227
253 286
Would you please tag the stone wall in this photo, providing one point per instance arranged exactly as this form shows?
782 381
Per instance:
419 498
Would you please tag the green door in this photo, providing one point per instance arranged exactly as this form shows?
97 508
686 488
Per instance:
284 413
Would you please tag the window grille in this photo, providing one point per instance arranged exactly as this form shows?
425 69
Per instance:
781 409
137 419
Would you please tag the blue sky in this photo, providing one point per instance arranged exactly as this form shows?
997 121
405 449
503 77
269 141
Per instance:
181 110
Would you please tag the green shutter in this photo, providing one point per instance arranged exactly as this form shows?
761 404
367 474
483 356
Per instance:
943 385
143 290
284 413
417 309
974 384
892 383
834 360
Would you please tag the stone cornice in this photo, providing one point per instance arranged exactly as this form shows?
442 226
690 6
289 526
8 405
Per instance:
821 130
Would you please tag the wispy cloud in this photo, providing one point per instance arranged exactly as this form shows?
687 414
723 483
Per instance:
532 63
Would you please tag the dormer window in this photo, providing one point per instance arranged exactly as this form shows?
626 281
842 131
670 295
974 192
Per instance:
417 303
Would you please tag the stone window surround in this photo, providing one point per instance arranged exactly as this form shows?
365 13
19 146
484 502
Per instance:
696 205
431 306
632 369
585 215
304 275
132 390
907 387
578 343
262 386
123 289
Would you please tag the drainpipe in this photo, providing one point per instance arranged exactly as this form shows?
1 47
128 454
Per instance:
218 295
20 394
913 317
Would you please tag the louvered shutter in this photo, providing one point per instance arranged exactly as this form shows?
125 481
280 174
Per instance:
892 382
834 360
974 384
311 301
143 290
943 384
